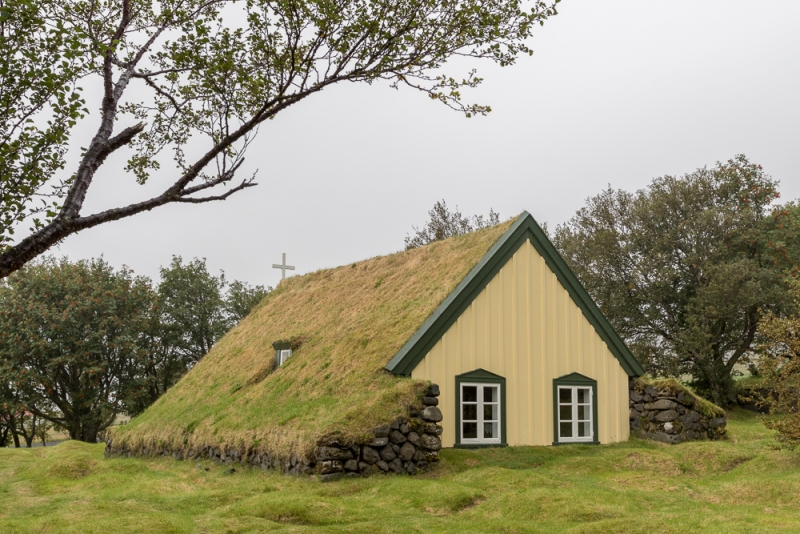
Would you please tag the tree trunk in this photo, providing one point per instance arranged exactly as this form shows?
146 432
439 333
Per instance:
3 437
720 385
12 424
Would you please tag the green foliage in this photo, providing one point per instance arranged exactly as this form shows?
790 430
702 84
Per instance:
779 368
685 268
42 61
70 339
242 298
80 343
741 485
196 79
444 224
192 307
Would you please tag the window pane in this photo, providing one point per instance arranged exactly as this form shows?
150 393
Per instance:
583 413
490 412
489 394
490 431
470 394
469 412
564 395
583 395
565 413
470 431
566 430
584 429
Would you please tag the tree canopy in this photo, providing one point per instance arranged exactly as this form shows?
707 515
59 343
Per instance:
197 79
685 268
70 338
779 365
444 223
81 343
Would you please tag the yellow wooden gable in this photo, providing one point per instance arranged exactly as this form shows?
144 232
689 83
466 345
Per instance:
522 316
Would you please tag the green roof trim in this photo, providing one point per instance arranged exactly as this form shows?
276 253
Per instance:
525 228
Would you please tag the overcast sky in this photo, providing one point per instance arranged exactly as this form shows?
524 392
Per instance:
617 92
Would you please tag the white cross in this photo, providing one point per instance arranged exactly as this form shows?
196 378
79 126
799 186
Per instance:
283 267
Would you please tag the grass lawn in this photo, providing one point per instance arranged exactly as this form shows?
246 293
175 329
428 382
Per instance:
740 485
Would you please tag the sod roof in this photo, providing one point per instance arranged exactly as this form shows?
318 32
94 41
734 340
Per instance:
348 322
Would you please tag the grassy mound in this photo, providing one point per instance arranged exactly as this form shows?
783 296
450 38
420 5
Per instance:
707 408
346 324
741 485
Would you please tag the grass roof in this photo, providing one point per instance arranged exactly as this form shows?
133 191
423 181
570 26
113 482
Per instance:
707 408
348 322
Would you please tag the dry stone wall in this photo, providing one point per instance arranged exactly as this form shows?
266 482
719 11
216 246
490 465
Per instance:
671 414
406 445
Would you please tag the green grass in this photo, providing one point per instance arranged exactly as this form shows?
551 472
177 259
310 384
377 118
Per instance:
742 484
345 324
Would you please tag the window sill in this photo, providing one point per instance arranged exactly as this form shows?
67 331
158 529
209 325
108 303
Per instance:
576 443
478 445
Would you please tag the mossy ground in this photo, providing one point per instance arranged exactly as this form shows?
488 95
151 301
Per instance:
742 484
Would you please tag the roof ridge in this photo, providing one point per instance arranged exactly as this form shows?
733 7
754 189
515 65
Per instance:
523 229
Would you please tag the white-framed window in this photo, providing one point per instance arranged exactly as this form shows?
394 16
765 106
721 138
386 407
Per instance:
480 413
575 414
283 356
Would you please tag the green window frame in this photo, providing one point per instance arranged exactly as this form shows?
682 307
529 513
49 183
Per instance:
481 377
574 380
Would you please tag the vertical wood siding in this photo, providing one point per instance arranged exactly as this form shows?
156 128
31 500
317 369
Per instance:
524 326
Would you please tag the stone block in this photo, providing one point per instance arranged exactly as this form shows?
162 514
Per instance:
432 413
351 465
667 415
636 397
411 469
369 455
403 428
661 404
387 453
382 465
379 442
717 422
331 466
433 391
382 431
407 452
333 453
430 401
397 437
432 456
396 465
429 442
413 438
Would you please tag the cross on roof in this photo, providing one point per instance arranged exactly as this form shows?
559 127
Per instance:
283 267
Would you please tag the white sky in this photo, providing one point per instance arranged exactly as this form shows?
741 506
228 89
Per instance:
617 92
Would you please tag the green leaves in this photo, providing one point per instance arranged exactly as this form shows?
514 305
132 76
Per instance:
685 268
40 102
200 84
